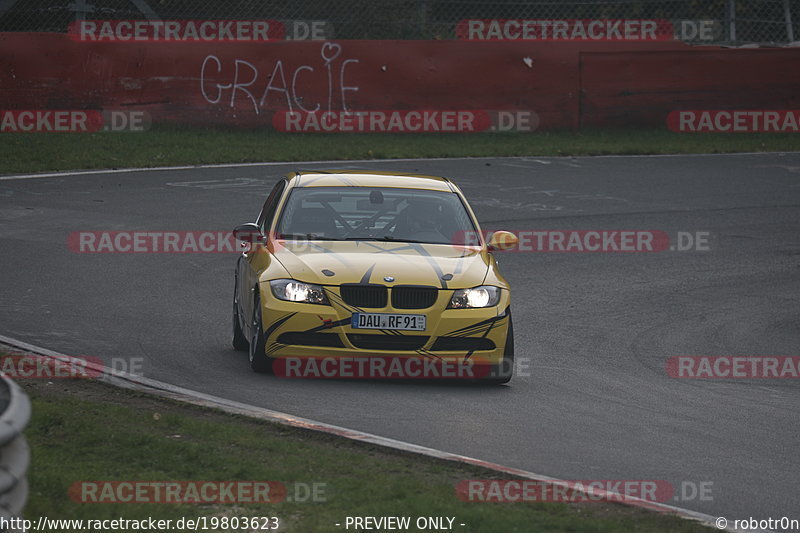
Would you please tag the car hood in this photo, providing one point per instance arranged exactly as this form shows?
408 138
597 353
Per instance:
334 263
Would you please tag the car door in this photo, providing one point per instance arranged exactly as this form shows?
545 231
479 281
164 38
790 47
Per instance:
253 258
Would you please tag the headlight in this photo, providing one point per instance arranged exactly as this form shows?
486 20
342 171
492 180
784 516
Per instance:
296 291
484 296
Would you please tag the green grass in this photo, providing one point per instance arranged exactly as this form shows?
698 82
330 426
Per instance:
83 430
167 146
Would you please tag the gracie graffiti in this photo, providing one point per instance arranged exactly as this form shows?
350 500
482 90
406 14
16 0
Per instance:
281 87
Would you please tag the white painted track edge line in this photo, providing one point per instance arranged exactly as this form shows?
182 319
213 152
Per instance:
299 164
68 173
166 390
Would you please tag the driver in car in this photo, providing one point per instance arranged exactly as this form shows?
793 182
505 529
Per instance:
421 222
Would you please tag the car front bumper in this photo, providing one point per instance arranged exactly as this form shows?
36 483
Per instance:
302 330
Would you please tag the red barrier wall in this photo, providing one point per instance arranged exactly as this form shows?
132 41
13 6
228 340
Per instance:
567 84
645 86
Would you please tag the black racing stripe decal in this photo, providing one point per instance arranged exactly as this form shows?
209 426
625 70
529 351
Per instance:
367 275
274 347
425 353
275 325
499 318
382 250
459 264
469 330
472 331
338 323
491 326
336 299
431 261
494 322
478 326
335 255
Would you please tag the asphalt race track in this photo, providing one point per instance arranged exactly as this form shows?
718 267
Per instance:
591 398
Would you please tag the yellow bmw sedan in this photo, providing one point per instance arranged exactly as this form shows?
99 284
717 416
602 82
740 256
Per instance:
372 274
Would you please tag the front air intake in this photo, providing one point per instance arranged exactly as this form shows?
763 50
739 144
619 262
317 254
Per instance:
368 296
413 297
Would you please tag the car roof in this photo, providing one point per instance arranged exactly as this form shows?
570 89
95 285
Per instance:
372 178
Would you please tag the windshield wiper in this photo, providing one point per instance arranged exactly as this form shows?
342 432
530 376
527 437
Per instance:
306 237
386 238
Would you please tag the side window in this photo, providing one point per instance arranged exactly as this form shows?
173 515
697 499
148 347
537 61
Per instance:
268 211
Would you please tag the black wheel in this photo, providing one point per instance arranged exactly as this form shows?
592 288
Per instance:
259 361
502 373
240 342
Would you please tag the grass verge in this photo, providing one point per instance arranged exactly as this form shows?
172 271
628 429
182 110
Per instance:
84 430
169 146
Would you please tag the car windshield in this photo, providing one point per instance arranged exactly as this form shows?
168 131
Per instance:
379 213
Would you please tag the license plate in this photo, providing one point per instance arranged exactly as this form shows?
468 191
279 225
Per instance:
388 321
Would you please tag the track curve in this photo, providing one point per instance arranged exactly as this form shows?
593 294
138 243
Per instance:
593 330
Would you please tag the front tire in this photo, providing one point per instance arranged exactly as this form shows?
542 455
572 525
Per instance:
240 342
259 361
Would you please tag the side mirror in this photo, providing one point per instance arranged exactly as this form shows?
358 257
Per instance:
502 240
248 233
